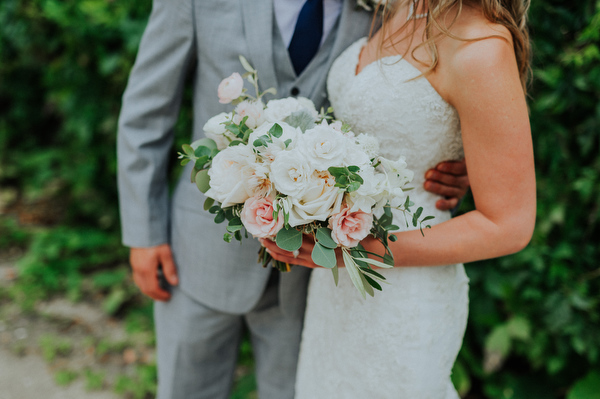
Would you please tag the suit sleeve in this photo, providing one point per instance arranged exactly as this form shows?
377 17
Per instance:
149 112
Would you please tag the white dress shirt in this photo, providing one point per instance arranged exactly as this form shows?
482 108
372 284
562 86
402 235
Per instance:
287 11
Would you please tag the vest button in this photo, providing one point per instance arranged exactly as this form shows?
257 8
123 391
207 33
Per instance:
295 91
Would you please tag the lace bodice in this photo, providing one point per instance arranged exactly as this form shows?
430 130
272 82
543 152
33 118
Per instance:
390 100
403 342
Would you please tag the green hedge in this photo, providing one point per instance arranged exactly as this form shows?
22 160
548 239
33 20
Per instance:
534 328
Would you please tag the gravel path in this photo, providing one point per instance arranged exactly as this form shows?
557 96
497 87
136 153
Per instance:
29 377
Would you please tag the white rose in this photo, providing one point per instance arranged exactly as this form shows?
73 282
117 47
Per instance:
278 110
291 173
324 147
256 177
214 129
230 88
319 201
355 155
227 179
254 110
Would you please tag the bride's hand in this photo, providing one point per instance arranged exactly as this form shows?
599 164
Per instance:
450 180
302 257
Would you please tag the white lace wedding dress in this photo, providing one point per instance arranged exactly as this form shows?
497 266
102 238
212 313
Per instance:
403 342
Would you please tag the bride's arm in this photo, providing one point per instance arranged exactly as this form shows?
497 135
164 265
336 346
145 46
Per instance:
484 87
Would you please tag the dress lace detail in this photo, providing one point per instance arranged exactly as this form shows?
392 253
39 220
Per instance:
403 342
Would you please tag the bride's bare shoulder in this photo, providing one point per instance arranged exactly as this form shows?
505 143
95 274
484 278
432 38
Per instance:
475 44
475 41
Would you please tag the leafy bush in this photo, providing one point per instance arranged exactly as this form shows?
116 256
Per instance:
534 328
535 314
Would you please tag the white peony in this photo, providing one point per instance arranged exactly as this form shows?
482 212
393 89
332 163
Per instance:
254 110
228 183
278 110
214 129
324 147
320 200
291 173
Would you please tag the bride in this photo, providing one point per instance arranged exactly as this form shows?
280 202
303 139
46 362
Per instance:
439 79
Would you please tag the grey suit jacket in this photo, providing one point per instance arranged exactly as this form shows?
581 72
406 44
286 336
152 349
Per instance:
205 37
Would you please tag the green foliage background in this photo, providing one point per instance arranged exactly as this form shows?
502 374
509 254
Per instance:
534 328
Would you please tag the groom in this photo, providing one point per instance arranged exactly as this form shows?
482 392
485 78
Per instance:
215 289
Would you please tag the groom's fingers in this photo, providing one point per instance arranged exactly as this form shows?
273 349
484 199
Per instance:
444 190
446 204
458 168
144 264
168 265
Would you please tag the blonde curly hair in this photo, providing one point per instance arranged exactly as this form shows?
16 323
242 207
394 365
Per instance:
511 14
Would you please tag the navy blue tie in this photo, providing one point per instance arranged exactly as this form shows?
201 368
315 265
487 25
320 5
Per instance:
307 35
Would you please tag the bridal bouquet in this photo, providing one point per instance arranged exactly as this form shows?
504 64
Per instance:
281 170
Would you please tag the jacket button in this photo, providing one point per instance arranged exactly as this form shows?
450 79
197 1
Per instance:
295 91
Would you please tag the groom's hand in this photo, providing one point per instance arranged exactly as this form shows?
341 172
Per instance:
145 264
450 180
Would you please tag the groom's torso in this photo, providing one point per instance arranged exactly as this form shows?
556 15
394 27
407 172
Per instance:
227 276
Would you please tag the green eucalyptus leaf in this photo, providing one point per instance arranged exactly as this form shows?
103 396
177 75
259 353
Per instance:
204 142
323 256
220 217
289 239
323 236
188 149
234 225
227 237
235 142
200 162
203 180
338 171
353 168
208 203
301 119
353 186
202 151
276 130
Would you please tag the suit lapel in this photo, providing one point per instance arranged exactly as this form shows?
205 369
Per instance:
354 23
258 28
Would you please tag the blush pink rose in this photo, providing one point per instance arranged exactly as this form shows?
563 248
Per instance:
230 88
257 217
350 228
